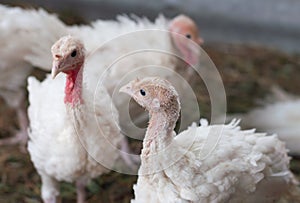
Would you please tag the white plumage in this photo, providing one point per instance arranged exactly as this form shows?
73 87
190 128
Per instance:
238 166
20 30
280 116
73 136
19 34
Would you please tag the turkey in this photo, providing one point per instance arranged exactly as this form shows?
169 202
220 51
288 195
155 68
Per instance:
73 135
281 115
38 26
242 166
18 36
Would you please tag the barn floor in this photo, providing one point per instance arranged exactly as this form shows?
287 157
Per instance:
248 73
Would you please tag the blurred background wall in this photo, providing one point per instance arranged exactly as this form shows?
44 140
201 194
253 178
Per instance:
272 23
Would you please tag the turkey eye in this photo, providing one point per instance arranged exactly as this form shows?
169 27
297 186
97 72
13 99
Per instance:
188 36
143 93
73 54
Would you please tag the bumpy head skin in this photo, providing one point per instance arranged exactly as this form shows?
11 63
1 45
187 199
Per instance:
183 29
186 26
154 94
68 54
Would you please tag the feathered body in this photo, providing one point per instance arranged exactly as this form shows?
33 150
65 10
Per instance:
207 163
61 137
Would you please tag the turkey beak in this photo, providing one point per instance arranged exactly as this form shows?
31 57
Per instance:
127 89
56 66
55 70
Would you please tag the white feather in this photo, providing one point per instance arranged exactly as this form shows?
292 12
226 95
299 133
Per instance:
281 116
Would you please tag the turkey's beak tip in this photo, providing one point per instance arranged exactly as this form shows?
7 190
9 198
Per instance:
54 72
127 89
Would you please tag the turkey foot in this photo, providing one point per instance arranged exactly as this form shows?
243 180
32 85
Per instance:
80 190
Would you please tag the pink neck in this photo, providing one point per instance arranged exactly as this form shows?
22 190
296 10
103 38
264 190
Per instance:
159 134
73 87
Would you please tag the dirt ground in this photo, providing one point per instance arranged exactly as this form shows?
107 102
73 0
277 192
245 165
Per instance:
248 73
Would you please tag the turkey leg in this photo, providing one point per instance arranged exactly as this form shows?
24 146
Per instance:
21 136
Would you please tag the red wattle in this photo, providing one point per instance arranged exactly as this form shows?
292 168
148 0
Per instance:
73 87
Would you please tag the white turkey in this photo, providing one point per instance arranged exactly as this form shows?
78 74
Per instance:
281 115
20 30
38 26
241 166
73 135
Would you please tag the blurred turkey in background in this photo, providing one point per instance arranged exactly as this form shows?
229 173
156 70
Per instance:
273 23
